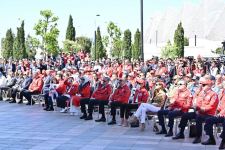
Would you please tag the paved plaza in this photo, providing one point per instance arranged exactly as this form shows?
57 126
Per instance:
30 127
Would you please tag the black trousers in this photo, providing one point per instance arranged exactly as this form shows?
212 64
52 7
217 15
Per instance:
172 114
222 135
199 118
184 120
27 94
209 122
91 103
100 103
83 102
61 101
199 121
128 108
115 105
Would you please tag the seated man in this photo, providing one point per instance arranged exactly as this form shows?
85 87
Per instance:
157 103
205 103
10 82
13 91
24 86
99 97
182 102
219 118
34 88
118 99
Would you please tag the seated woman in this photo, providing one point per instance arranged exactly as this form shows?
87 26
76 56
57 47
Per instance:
139 95
84 91
153 106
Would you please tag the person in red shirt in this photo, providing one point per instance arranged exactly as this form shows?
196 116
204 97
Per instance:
84 91
99 97
138 95
34 88
182 101
219 118
205 103
118 99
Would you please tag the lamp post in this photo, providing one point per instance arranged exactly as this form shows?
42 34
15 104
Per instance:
95 36
142 30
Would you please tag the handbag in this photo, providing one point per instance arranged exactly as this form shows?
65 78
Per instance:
134 124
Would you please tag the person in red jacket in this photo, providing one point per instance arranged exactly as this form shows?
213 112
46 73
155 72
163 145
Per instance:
139 95
205 104
34 88
84 91
182 101
118 99
219 118
99 97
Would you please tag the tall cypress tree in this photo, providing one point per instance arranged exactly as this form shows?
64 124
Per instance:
100 52
179 39
127 44
8 45
70 31
136 49
19 49
22 41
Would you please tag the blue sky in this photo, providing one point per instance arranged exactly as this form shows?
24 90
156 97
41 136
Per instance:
125 13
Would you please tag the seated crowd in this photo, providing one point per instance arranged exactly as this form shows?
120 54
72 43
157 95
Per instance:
184 89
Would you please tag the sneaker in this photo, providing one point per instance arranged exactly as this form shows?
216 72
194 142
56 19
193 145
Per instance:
64 110
12 101
50 109
89 118
101 120
83 117
112 122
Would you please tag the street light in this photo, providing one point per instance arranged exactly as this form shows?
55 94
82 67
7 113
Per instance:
142 30
95 36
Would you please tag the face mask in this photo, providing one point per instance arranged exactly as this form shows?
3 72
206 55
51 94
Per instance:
182 87
206 88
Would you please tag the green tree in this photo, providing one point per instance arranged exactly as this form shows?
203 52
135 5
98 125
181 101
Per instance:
19 49
115 41
136 48
70 31
47 29
127 44
186 41
32 44
170 51
71 46
179 39
2 45
100 52
7 52
85 43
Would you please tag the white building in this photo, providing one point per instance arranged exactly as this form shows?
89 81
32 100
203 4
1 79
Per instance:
206 21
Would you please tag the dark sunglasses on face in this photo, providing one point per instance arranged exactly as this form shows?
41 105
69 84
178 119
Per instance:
203 84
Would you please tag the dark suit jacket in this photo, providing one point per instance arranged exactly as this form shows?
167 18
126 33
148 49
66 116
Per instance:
26 83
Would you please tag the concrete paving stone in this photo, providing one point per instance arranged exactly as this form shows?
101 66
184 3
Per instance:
29 127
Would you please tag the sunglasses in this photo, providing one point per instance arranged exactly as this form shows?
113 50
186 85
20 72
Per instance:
157 84
203 84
